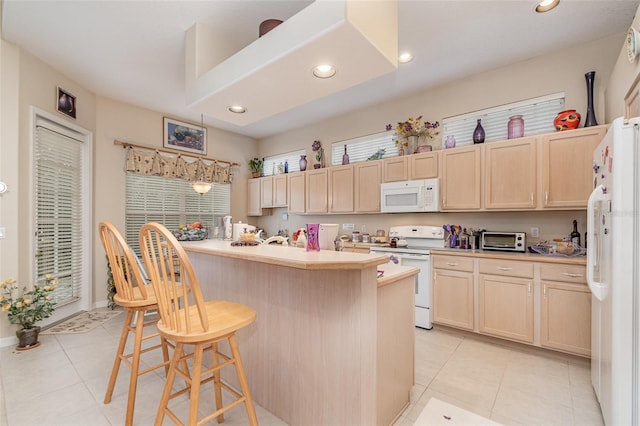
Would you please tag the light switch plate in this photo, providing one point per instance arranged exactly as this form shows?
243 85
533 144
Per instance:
2 232
348 226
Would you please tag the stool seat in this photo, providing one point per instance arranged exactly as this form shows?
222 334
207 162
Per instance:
138 298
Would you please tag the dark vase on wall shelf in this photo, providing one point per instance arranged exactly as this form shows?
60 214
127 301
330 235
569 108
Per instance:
591 115
303 163
478 133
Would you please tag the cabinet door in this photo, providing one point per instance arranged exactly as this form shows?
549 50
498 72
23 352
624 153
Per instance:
565 320
296 194
316 191
395 169
341 189
505 307
254 199
461 178
367 189
453 298
266 188
279 189
510 174
423 166
567 161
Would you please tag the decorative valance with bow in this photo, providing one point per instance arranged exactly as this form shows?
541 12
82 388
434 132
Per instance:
150 162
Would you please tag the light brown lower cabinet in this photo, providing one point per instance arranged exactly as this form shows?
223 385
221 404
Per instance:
537 303
505 307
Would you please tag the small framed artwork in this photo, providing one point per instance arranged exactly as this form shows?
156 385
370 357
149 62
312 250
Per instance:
185 136
66 103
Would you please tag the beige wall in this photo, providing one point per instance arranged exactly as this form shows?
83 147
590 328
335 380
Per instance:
559 71
128 123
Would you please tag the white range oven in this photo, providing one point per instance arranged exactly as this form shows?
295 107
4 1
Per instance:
420 239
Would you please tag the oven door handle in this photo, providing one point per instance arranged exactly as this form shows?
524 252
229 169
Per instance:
415 256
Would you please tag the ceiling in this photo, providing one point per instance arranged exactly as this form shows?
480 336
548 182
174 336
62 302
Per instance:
134 51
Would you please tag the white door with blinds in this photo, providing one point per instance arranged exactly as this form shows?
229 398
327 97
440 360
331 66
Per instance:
62 244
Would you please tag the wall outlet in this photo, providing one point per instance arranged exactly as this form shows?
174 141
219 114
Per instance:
348 226
535 231
285 217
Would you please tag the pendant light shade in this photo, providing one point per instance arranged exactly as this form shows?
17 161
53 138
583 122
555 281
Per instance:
202 187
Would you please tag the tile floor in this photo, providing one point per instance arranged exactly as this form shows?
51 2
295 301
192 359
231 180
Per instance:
68 376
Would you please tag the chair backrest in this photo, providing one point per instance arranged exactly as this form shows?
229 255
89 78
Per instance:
124 264
180 302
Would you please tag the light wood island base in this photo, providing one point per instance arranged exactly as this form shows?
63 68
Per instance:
332 344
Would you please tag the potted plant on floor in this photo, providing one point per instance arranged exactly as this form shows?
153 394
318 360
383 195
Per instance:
27 307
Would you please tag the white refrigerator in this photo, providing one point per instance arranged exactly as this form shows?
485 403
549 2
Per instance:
613 272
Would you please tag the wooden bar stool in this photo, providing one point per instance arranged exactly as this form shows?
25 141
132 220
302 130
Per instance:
136 296
192 321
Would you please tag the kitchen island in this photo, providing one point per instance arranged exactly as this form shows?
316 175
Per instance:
332 344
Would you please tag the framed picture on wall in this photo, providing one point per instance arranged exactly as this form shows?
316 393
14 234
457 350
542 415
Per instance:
185 136
65 103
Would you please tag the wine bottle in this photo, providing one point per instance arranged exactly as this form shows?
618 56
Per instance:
345 156
575 235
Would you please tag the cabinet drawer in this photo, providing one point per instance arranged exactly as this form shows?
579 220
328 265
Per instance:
565 273
454 263
506 267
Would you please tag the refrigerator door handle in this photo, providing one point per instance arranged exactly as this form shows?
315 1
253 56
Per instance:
598 289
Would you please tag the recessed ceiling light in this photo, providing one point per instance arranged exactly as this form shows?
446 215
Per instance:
405 57
237 109
546 5
324 71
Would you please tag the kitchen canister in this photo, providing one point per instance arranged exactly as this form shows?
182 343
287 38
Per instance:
515 127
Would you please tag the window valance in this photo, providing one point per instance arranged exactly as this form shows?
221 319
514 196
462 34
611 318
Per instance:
155 162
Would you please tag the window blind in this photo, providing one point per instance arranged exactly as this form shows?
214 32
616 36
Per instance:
171 202
270 165
361 148
58 171
537 113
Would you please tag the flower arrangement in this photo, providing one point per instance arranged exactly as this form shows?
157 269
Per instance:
317 148
29 307
415 127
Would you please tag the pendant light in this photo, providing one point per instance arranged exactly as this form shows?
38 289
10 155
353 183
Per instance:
200 185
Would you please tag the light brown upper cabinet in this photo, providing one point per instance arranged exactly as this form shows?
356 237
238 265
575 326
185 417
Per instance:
296 192
274 191
461 178
567 161
367 189
316 191
395 169
510 174
254 199
423 166
341 186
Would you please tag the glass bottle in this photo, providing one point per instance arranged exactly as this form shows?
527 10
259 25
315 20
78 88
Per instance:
478 133
515 127
345 156
575 235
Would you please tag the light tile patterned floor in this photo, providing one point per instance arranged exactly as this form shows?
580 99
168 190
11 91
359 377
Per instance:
63 383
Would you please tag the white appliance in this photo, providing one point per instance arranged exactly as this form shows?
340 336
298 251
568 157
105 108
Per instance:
410 196
420 239
327 233
228 227
613 273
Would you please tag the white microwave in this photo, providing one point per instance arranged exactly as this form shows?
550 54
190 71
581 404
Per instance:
410 196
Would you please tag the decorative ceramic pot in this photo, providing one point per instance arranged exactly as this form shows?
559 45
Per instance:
317 165
413 143
268 25
303 163
567 120
450 142
28 338
478 133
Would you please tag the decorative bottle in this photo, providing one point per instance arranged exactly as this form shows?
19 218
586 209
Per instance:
591 115
515 127
303 163
575 235
345 156
450 142
478 133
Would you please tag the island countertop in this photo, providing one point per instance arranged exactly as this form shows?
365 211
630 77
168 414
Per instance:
288 256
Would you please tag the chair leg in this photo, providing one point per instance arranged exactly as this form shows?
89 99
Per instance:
119 354
196 376
217 385
168 385
242 378
135 367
